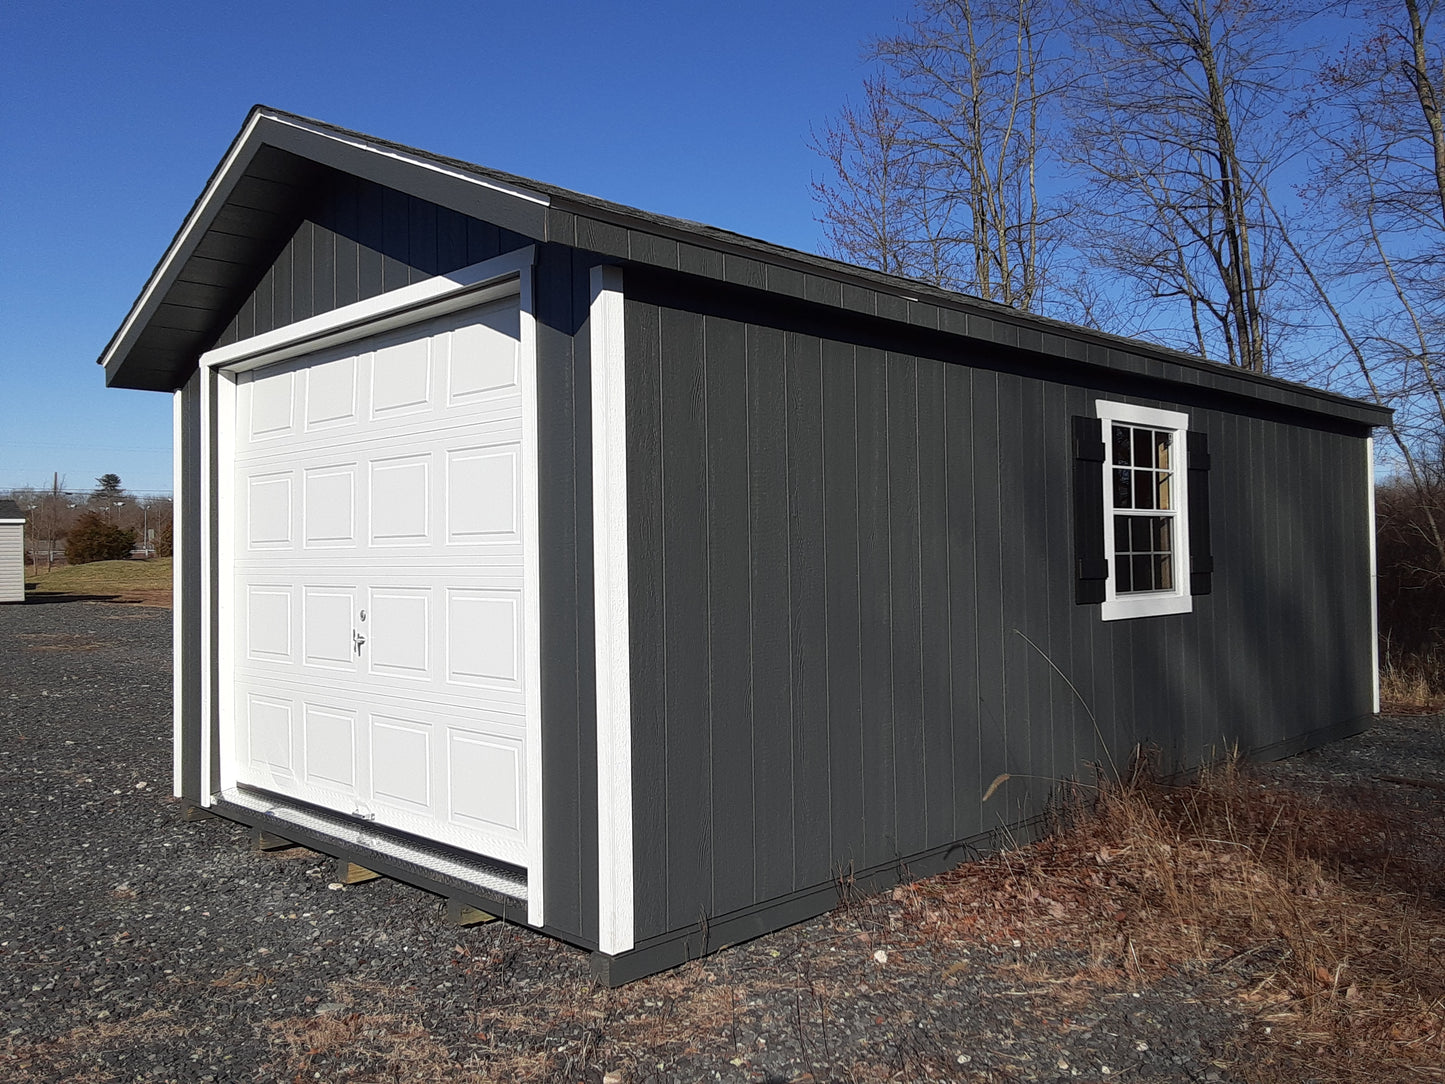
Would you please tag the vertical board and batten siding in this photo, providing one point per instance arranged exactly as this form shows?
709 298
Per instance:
853 601
12 562
362 239
188 588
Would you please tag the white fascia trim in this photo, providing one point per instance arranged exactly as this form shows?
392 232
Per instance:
179 556
223 180
1155 603
1374 574
616 927
416 160
203 211
435 296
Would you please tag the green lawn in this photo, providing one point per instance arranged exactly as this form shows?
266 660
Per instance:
146 582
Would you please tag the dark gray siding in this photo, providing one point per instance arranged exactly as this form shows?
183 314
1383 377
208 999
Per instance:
362 240
852 601
358 240
188 601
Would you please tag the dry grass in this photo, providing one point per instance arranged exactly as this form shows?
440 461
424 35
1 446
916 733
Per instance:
1331 911
146 583
1412 686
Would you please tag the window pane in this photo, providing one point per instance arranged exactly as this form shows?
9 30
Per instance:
1141 541
1143 447
1164 439
1143 567
1121 533
1123 578
1121 489
1165 500
1164 572
1121 445
1144 489
1163 532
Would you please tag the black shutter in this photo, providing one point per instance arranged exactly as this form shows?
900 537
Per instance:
1091 568
1201 559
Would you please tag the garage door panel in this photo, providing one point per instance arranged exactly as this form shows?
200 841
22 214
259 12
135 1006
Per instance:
485 356
331 394
400 500
329 508
329 627
380 570
272 406
268 622
401 382
329 746
484 638
402 762
399 633
270 748
485 781
484 494
266 513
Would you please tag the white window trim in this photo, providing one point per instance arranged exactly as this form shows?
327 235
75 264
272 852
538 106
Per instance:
1154 603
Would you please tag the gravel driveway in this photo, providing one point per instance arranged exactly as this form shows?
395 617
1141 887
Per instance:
135 945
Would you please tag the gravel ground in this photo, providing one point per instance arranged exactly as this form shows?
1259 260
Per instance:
135 945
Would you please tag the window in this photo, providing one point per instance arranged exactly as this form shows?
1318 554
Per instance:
1145 521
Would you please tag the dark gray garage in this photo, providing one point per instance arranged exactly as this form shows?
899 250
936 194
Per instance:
640 582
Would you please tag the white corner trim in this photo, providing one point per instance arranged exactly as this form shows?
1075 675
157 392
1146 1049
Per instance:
531 596
208 578
616 931
1154 603
1374 574
435 296
179 614
411 159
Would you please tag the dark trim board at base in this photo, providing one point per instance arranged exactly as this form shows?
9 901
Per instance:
1312 739
674 949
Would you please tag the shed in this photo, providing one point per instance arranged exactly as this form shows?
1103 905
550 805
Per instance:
12 552
641 582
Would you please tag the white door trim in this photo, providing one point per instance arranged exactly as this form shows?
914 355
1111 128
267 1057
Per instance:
436 296
180 616
509 274
610 608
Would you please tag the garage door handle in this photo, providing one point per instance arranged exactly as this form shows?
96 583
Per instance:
357 640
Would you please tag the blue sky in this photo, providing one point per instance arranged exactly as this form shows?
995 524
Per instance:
112 117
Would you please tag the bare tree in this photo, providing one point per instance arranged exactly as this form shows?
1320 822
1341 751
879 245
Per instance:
939 175
1375 256
1177 123
868 213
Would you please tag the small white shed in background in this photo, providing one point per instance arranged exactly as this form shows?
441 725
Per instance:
12 552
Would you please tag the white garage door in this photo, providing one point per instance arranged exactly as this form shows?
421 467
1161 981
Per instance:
378 553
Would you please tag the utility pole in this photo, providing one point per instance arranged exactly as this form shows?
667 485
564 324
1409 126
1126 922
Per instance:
54 515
